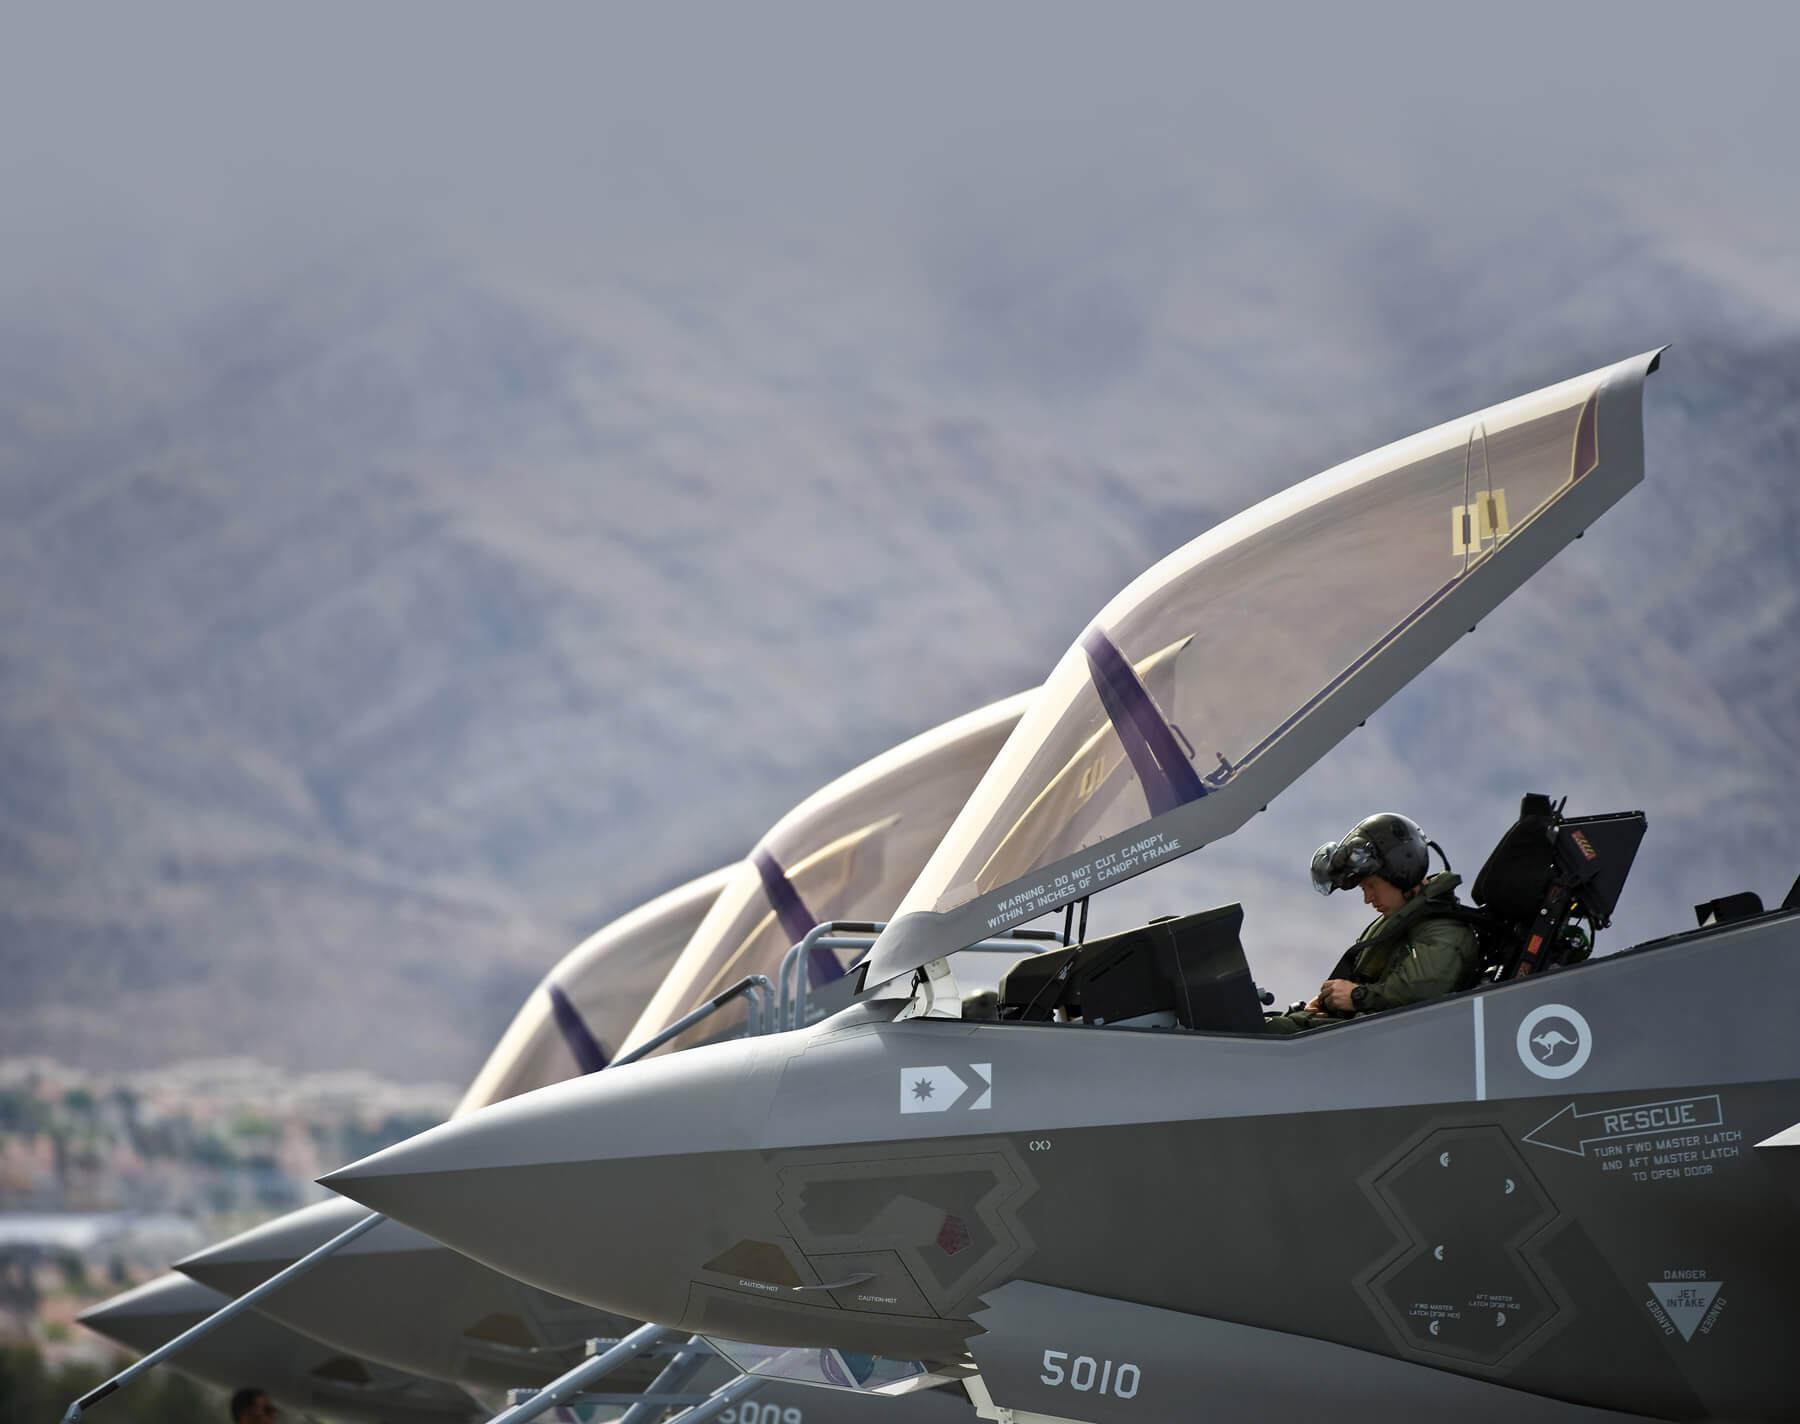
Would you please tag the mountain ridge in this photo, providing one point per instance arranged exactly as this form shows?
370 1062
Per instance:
390 630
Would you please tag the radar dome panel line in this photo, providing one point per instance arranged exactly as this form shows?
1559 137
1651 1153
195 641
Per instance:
1295 620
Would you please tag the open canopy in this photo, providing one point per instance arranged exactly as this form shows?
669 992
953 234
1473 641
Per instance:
846 852
575 1020
1221 674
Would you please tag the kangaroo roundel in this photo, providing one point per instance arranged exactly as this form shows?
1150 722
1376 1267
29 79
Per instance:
1555 1041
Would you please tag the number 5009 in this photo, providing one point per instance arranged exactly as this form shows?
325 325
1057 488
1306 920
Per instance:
750 1412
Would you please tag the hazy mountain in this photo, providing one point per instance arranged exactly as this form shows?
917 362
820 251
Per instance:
373 629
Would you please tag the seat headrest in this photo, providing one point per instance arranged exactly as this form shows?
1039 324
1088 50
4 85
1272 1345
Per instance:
1514 879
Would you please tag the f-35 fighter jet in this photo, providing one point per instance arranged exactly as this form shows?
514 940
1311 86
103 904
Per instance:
1554 1196
406 1301
848 851
299 1372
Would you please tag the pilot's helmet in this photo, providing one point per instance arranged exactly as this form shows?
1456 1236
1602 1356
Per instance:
1389 845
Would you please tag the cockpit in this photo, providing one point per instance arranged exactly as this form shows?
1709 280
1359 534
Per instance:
575 1019
847 852
1181 971
1218 676
1549 887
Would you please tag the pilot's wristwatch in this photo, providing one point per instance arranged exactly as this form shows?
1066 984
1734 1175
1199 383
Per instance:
1359 998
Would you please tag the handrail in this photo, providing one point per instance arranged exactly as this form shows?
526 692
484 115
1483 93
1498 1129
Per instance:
571 1389
573 1381
788 1014
689 1360
795 983
754 987
220 1316
728 1393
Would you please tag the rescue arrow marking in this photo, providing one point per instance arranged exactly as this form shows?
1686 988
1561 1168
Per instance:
1570 1131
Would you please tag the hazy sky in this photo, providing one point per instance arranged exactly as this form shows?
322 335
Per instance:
176 146
1108 269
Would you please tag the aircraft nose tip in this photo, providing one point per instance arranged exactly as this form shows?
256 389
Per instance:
570 1188
618 1113
251 1257
372 1179
401 1180
145 1316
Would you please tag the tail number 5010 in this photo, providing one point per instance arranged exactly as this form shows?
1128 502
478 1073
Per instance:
1090 1376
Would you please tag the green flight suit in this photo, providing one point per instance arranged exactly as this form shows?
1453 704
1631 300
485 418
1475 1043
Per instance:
1411 955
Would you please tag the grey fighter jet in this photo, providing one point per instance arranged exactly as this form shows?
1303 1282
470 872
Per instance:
297 1372
1556 1196
849 851
587 1002
577 1018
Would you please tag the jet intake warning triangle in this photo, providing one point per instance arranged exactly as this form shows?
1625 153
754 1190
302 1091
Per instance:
1684 1302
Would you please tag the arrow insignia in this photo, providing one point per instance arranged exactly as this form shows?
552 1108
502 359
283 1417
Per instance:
947 1087
1571 1131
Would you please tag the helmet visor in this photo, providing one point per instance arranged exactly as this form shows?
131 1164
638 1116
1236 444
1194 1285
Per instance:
1343 865
1321 867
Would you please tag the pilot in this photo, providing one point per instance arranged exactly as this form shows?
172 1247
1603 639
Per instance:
1422 944
252 1405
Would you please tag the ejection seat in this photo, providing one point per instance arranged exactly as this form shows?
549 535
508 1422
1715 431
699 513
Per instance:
1547 875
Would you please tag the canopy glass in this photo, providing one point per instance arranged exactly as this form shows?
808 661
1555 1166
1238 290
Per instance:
576 1019
847 852
1242 640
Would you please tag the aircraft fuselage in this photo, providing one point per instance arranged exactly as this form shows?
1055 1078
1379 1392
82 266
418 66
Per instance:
1551 1185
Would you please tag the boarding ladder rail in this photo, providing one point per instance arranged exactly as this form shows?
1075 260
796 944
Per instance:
573 1387
796 983
755 988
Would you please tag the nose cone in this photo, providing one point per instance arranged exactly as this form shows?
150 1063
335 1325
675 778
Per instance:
241 1262
153 1313
612 1189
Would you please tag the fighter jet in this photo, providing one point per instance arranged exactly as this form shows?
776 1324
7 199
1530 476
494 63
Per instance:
847 852
593 996
587 1002
302 1374
298 1372
1122 1199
